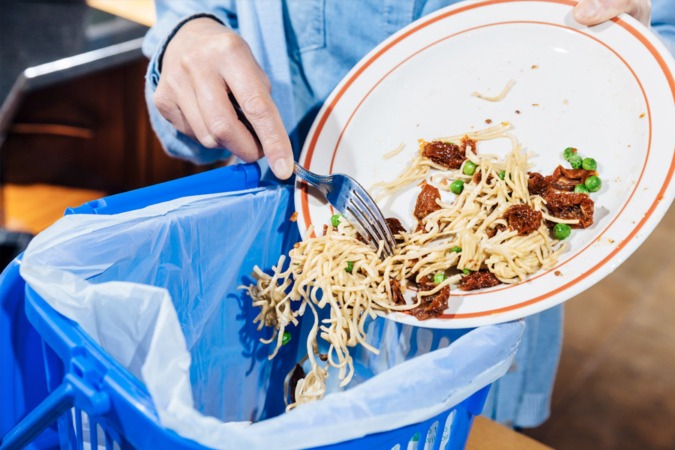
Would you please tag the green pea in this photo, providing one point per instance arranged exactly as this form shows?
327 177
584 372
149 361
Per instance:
456 249
561 231
466 271
456 187
576 161
593 183
502 174
286 338
589 164
581 189
469 168
350 266
439 278
335 220
568 152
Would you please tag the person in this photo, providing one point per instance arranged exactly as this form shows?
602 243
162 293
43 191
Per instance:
278 61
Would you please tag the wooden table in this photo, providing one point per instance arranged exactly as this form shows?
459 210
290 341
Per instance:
32 208
488 435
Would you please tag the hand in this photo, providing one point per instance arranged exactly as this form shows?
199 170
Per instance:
203 63
592 12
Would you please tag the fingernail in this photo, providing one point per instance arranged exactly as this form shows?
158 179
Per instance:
587 10
282 168
208 141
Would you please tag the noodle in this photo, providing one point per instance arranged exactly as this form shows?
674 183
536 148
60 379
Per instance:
497 97
394 152
356 282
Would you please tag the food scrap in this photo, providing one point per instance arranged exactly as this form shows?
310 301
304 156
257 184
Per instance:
479 221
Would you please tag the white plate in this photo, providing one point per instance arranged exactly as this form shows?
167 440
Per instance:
608 90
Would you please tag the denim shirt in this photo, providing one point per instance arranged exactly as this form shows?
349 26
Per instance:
306 48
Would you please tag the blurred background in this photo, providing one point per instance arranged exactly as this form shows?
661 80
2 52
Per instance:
73 122
73 128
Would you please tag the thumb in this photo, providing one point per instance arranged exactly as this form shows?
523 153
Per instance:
593 12
282 165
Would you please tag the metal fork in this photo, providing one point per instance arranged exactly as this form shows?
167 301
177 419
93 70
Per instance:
348 196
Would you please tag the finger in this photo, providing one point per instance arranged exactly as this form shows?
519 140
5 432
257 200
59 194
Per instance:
265 79
221 118
168 108
181 124
253 96
592 12
189 108
261 112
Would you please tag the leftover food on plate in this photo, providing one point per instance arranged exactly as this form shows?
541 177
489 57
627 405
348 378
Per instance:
481 221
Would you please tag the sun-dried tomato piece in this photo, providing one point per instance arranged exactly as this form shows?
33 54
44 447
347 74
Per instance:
396 294
523 219
570 206
566 179
426 201
537 184
395 225
478 280
491 232
446 154
430 305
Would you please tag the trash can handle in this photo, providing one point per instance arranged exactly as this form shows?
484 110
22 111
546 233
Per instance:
78 389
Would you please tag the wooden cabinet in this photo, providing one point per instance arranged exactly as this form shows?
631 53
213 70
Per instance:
90 132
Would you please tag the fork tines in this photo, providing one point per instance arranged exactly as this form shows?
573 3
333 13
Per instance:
368 219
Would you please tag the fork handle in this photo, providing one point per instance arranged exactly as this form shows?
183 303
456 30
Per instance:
315 180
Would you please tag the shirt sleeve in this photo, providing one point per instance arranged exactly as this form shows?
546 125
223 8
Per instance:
663 22
171 15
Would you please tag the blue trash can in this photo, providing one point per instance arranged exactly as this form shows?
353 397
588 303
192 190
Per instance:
61 389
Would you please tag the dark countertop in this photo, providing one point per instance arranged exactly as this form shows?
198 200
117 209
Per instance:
35 33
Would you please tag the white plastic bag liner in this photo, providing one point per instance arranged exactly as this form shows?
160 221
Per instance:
157 289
